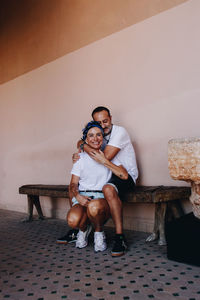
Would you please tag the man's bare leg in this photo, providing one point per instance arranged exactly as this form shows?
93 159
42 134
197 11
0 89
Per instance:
115 205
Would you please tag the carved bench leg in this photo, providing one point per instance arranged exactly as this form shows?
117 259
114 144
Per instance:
36 202
159 224
33 200
154 235
176 209
30 209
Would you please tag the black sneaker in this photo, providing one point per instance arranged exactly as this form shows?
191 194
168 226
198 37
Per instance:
70 237
119 247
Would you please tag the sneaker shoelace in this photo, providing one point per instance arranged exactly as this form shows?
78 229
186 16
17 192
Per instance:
119 241
99 238
71 233
80 236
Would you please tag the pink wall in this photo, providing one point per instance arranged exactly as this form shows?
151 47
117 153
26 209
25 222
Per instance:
147 74
36 32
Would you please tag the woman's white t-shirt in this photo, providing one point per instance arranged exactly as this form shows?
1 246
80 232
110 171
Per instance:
93 175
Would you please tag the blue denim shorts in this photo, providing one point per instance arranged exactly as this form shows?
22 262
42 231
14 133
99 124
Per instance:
93 195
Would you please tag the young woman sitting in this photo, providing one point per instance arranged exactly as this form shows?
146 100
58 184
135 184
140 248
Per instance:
88 178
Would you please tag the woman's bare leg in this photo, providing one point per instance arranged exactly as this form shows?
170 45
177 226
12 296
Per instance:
77 217
98 212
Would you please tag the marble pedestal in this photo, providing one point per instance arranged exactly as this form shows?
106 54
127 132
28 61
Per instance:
183 234
184 164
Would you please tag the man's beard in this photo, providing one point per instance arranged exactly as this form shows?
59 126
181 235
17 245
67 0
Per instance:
110 129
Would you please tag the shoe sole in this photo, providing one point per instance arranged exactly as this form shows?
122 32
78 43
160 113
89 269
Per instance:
65 242
61 242
117 254
100 250
81 247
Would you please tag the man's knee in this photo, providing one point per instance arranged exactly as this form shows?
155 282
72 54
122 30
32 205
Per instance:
109 191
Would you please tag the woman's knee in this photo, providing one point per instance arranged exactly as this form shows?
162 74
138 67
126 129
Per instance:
94 208
73 219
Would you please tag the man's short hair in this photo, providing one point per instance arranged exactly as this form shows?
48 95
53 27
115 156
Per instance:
99 109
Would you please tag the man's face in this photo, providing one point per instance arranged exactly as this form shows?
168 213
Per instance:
104 120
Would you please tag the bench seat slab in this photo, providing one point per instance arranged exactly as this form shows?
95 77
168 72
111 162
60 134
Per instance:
163 197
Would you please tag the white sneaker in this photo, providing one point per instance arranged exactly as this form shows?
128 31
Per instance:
99 241
82 237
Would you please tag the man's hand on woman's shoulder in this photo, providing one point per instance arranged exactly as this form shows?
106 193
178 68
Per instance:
75 157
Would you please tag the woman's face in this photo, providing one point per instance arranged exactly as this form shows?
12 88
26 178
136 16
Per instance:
94 138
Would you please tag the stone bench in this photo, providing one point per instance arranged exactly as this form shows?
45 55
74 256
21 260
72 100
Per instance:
164 197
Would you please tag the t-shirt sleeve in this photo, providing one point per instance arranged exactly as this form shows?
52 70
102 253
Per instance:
116 161
76 169
119 138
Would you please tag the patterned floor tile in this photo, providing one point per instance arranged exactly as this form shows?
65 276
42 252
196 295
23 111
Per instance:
33 266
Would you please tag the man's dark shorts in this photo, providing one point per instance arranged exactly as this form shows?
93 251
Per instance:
123 186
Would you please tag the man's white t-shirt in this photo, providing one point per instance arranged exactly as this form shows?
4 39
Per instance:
119 138
93 175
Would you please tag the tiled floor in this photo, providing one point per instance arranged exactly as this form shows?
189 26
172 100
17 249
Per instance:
33 266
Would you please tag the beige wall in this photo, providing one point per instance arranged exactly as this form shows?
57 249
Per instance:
147 74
